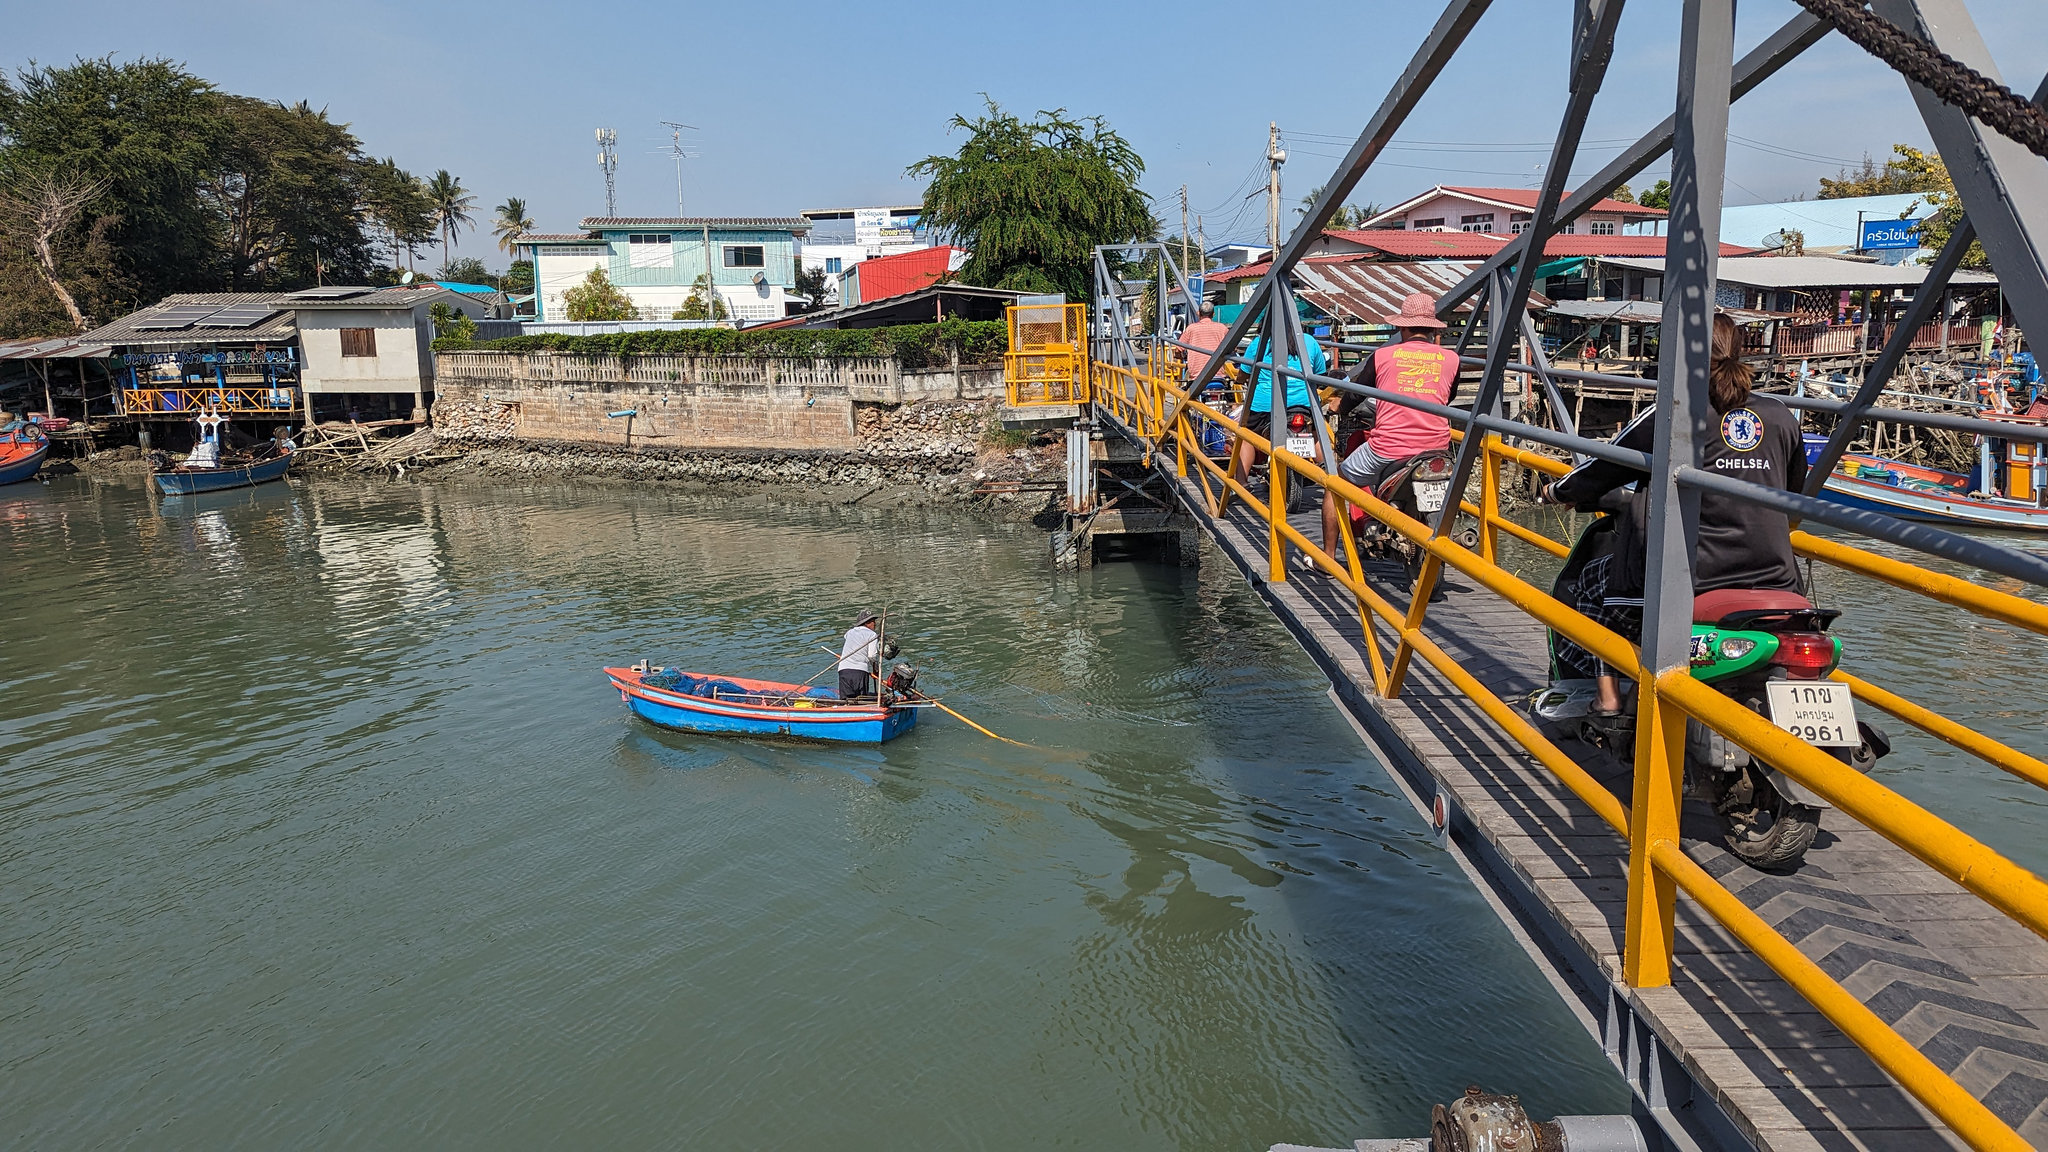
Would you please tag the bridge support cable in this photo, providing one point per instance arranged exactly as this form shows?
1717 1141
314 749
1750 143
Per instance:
2003 185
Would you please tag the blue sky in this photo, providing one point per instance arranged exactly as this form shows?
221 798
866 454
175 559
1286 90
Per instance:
804 105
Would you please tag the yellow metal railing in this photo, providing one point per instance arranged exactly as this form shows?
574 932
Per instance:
1148 403
1047 360
232 399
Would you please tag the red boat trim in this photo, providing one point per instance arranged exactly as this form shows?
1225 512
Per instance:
830 714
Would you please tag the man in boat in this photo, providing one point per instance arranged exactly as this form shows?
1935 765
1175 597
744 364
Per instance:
860 657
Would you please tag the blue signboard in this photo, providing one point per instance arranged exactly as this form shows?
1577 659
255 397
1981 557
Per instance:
1881 235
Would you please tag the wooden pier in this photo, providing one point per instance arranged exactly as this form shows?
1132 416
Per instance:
1729 1054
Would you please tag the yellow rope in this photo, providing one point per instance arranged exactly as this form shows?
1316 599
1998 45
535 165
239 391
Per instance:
969 723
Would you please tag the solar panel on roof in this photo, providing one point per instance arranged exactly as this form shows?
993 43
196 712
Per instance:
239 316
331 292
177 316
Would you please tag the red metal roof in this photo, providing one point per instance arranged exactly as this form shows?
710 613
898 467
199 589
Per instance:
1526 198
1371 290
884 276
1477 245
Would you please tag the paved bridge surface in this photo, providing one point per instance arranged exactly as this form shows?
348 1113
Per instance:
1965 985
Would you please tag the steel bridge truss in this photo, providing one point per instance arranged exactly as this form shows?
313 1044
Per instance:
2003 186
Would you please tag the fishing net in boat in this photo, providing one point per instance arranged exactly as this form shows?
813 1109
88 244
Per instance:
685 684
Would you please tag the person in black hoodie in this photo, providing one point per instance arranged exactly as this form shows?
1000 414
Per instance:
1741 544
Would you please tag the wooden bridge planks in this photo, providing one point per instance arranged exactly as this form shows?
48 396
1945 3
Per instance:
1966 985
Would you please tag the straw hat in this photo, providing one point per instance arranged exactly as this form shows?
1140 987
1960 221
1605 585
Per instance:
1417 311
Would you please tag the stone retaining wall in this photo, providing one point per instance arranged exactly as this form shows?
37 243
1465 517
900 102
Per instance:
679 403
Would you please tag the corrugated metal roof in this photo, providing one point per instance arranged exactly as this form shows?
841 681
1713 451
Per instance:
1370 290
778 223
48 348
393 296
279 328
1477 245
1816 272
553 238
884 276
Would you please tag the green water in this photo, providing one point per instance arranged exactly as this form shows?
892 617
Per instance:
319 828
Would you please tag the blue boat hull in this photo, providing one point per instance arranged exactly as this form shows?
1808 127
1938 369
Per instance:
825 719
222 479
15 471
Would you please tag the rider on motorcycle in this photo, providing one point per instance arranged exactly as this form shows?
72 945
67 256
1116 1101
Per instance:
1414 365
1741 544
1257 413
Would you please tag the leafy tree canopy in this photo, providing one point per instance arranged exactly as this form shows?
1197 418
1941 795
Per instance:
1657 195
597 299
467 270
695 306
518 279
1905 171
1032 198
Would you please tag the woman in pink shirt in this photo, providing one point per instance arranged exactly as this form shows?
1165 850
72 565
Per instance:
1415 365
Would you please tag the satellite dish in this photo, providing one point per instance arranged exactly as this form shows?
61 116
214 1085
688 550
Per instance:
405 279
1775 240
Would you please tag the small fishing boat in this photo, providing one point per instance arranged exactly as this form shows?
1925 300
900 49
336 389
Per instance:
735 705
22 449
208 469
1914 492
183 481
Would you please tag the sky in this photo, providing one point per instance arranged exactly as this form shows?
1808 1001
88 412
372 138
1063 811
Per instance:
809 105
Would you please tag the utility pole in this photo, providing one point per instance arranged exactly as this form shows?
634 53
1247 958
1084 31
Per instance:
1184 241
608 159
675 147
1275 157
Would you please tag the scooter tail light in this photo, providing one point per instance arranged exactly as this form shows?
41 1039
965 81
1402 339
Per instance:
1808 655
1297 422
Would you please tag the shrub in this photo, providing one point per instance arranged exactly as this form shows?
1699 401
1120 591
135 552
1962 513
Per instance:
914 345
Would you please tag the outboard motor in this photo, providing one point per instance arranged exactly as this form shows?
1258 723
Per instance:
902 680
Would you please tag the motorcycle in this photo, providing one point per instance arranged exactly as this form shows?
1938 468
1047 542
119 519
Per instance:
1418 487
1769 651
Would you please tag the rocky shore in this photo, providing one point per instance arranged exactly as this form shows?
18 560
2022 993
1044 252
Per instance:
929 453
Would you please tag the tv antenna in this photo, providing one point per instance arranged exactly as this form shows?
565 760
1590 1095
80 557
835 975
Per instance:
676 149
608 159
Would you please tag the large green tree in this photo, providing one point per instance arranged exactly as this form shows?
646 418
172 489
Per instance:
285 191
395 202
144 133
1031 199
1903 171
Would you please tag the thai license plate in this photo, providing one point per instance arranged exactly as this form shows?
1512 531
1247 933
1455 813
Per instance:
1302 446
1429 495
1820 712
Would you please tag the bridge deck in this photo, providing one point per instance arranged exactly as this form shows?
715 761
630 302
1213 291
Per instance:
1954 977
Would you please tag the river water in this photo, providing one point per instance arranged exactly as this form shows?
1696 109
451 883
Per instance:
319 827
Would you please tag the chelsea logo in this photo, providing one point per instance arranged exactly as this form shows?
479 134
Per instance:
1742 429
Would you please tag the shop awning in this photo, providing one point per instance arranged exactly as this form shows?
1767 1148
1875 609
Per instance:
1564 267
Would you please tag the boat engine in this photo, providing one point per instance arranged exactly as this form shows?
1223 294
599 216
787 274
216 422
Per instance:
902 679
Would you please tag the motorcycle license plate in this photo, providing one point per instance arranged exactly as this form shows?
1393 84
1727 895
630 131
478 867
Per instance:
1302 446
1819 712
1429 495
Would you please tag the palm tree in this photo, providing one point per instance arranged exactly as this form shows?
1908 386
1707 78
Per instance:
452 203
512 220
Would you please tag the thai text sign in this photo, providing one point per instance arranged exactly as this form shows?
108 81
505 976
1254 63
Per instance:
1881 235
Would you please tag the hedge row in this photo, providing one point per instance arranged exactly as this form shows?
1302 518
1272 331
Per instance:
914 345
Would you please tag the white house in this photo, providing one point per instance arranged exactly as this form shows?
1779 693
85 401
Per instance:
1502 212
370 350
657 262
843 237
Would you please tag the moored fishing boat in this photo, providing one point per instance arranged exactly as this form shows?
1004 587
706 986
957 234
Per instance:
208 469
736 705
22 449
191 481
1913 492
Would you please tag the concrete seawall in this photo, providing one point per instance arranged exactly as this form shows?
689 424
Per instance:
683 403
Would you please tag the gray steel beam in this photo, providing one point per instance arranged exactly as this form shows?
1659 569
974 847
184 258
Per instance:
1759 65
1699 157
1429 60
2004 187
1593 50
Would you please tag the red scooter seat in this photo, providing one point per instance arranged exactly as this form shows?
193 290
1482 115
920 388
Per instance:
1716 606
